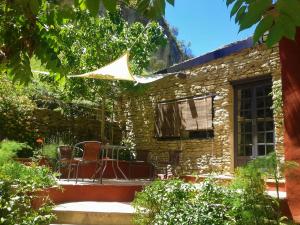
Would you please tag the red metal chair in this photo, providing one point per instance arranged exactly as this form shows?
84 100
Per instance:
142 160
65 158
90 154
168 165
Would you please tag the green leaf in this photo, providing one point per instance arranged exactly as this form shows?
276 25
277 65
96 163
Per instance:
255 12
275 35
34 6
240 13
290 8
228 2
172 2
288 26
152 8
236 7
93 6
110 5
262 27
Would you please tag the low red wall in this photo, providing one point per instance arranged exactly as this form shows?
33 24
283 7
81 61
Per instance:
132 170
92 192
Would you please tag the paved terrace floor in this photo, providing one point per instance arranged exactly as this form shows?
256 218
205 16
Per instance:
117 182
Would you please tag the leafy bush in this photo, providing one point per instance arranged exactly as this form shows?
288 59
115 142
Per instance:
19 185
48 151
37 177
16 112
212 205
176 202
9 149
164 202
243 202
251 204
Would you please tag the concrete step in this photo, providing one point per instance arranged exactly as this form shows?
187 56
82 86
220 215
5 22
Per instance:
94 213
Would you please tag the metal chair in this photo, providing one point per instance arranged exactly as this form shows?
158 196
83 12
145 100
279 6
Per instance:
142 158
65 157
90 154
168 165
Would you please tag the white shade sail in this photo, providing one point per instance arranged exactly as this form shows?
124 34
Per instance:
116 70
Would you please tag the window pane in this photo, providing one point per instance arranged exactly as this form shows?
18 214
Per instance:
248 138
241 127
246 93
241 150
260 91
269 113
261 150
247 114
260 126
248 127
261 137
248 150
268 89
269 101
270 137
260 103
261 113
246 104
270 148
269 125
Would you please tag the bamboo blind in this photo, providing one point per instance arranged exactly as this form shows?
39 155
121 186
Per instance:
189 114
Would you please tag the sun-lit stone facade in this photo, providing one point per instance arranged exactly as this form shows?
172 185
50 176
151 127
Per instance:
137 110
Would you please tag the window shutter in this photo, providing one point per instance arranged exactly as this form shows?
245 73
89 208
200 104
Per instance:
167 122
196 114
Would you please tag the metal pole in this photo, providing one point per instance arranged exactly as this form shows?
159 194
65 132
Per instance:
102 134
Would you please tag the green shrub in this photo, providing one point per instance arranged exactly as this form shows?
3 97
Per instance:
244 202
175 202
48 151
17 119
9 149
162 202
251 204
213 205
18 188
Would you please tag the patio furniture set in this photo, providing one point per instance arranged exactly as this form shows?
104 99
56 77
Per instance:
73 158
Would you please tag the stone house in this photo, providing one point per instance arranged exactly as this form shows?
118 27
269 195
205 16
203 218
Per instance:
216 109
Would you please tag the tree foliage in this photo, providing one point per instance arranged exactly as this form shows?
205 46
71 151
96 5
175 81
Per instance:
86 43
30 28
16 112
274 18
89 43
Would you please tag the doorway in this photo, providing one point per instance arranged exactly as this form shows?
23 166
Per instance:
254 122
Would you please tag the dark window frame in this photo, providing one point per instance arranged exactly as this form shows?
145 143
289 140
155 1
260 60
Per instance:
238 85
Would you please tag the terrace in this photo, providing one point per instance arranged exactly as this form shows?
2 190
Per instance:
212 139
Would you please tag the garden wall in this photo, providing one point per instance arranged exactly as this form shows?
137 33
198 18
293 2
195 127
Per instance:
69 129
137 111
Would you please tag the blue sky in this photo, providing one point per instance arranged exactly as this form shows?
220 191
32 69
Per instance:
204 23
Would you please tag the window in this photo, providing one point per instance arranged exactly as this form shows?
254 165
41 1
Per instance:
254 123
184 117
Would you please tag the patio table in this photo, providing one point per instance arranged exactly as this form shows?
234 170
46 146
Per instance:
111 153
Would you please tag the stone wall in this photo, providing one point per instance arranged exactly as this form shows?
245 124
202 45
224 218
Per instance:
137 111
57 127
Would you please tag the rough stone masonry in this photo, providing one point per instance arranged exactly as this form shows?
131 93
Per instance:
137 110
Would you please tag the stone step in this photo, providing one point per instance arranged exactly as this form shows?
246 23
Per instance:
94 213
